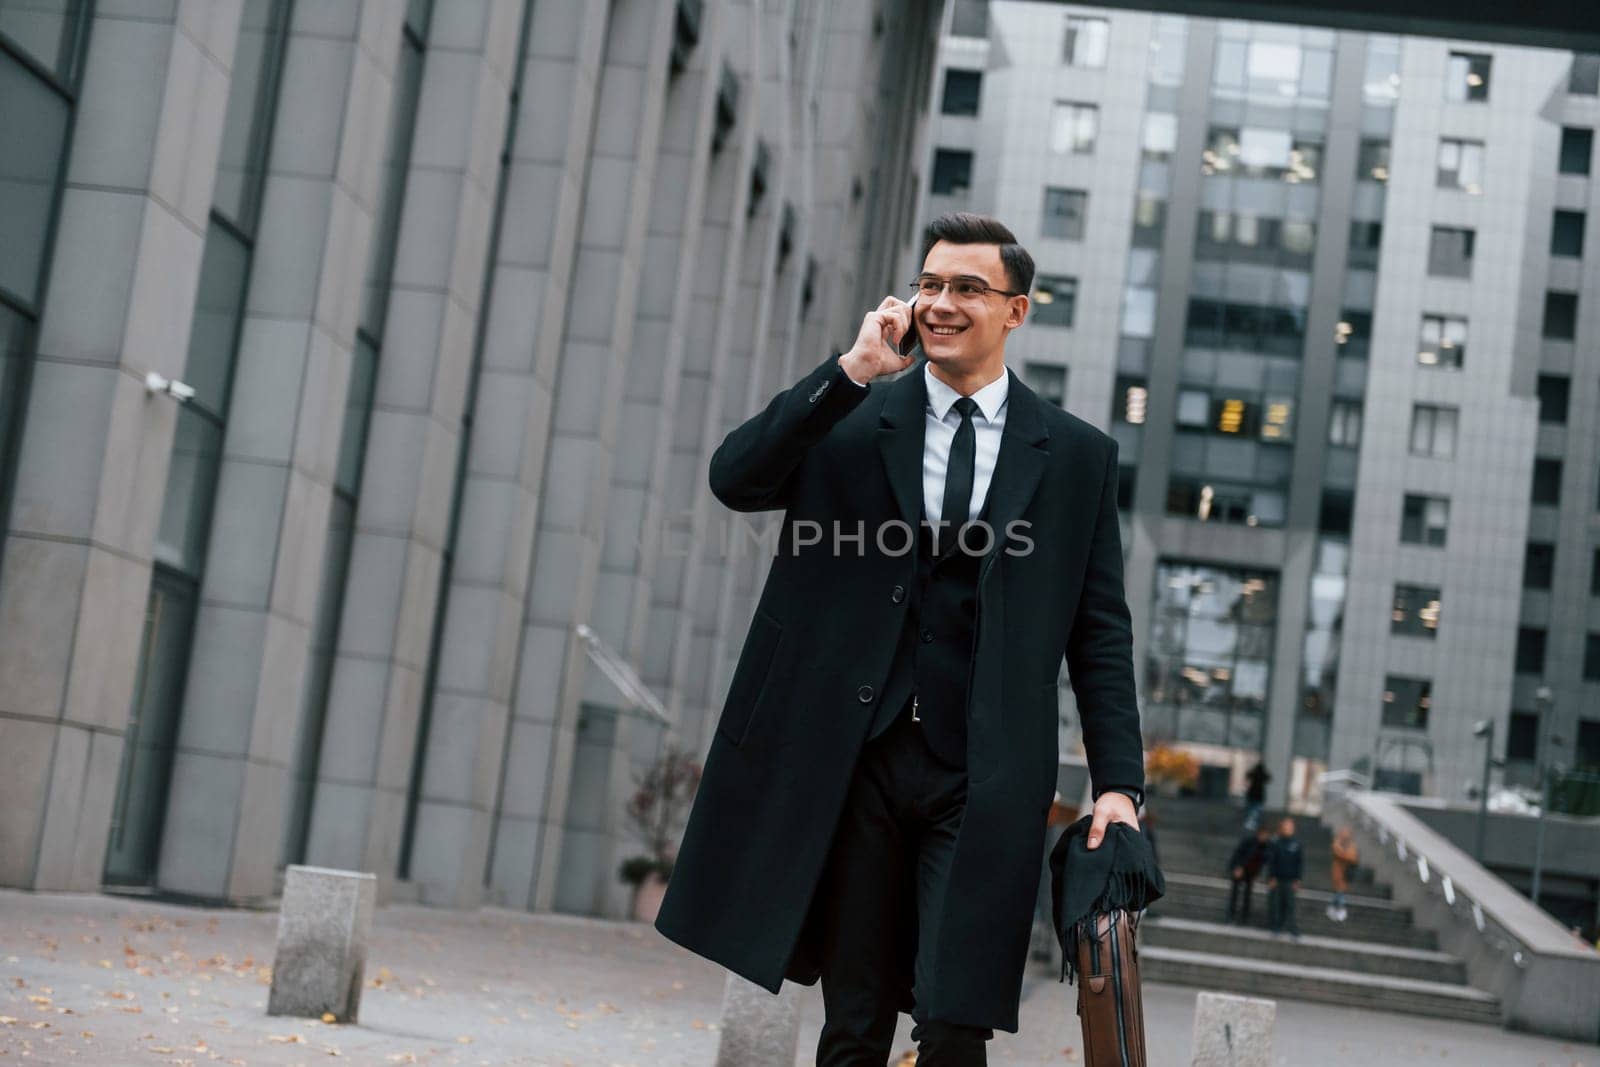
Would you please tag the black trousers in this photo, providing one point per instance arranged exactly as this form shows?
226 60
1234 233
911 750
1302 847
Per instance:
1241 889
1281 908
890 862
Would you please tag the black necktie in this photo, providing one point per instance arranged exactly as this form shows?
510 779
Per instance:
958 474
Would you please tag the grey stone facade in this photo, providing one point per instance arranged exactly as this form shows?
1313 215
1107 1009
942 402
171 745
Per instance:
616 228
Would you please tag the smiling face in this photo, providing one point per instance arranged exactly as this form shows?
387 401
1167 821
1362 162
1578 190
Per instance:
964 337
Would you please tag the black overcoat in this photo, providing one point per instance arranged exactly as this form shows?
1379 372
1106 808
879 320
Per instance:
820 647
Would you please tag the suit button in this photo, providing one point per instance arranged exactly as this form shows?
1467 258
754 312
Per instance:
897 594
864 694
927 637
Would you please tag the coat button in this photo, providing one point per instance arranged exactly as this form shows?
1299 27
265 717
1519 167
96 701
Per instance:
927 637
864 694
897 594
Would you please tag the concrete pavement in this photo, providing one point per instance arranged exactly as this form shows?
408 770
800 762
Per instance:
117 981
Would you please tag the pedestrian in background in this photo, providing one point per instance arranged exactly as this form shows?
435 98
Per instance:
1249 856
1285 866
1255 795
1345 856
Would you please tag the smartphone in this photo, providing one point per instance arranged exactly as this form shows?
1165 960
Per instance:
909 342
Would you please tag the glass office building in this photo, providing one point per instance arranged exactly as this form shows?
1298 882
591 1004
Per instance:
1329 292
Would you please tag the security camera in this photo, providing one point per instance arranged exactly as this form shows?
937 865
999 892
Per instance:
156 382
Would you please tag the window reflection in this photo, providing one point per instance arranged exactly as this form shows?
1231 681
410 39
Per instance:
1209 668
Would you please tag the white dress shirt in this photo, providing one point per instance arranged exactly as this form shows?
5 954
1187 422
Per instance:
942 421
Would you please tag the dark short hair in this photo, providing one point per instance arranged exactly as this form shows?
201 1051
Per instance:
970 228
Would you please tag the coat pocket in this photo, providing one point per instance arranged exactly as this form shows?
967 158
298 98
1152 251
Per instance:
749 677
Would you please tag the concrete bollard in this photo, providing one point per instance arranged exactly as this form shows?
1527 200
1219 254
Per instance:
758 1029
1232 1031
323 925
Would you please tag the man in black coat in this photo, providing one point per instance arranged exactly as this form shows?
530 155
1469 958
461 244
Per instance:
1249 856
873 806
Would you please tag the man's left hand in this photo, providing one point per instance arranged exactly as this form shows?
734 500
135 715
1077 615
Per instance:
1111 807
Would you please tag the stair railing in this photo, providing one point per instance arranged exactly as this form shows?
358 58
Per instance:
1546 981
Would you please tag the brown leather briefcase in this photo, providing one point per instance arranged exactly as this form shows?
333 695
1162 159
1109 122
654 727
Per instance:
1110 1006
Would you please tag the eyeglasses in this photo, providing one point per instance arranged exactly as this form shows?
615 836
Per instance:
964 289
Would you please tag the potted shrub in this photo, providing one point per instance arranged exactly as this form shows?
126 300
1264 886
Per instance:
1170 769
655 815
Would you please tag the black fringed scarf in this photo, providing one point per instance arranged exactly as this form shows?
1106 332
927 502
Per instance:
1121 873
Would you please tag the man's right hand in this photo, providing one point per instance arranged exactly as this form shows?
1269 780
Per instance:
1238 872
875 354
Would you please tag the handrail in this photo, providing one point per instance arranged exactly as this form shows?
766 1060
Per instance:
1458 902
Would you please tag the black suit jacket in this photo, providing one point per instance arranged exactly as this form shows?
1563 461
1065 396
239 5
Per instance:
803 695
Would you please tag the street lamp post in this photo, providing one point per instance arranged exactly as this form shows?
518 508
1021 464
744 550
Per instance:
1485 730
1542 695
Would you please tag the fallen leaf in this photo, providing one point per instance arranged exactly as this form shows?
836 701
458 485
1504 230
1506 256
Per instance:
285 1039
329 1017
463 1040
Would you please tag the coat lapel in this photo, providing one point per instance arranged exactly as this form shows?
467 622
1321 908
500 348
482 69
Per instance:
901 428
1019 466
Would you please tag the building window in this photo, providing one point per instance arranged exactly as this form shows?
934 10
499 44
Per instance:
962 89
1335 512
1416 611
1274 330
1126 475
1466 77
1460 166
1450 252
1073 127
1553 392
1138 311
970 18
1566 234
1591 658
1577 146
1406 701
1584 79
1129 399
1538 565
1048 380
952 172
1086 42
1443 341
1424 520
1372 161
1054 298
1353 333
1064 213
1262 152
1433 431
1587 749
1547 481
1365 237
1159 138
1522 737
1530 650
1560 315
1344 424
1209 660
